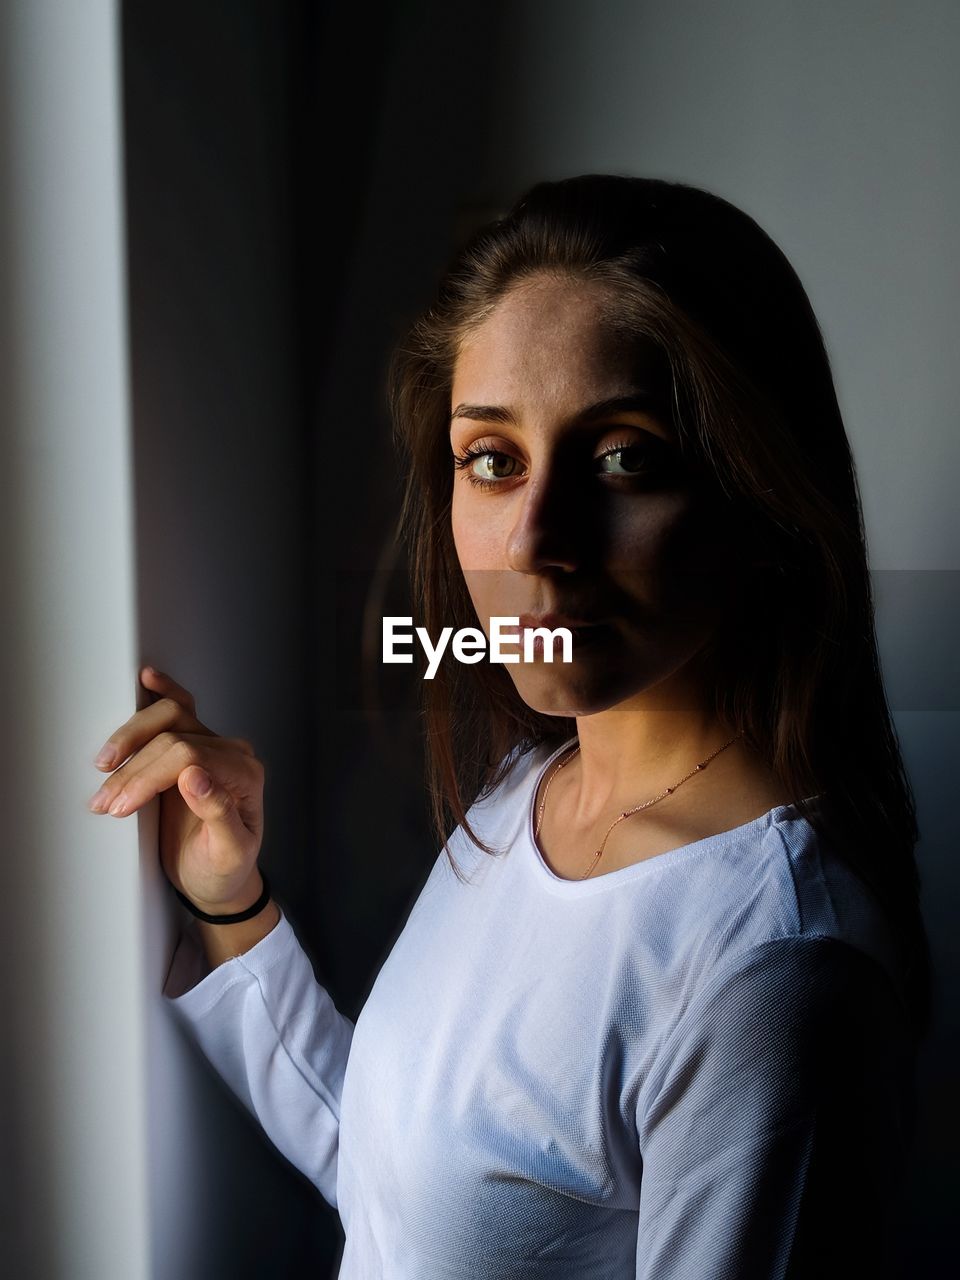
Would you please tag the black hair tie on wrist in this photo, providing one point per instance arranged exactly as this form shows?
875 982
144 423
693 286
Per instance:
257 907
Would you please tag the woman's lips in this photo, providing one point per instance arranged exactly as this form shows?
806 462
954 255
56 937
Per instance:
581 638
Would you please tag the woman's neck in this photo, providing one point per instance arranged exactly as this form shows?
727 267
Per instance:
624 745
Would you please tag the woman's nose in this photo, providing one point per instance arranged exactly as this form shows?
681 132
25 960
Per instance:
546 533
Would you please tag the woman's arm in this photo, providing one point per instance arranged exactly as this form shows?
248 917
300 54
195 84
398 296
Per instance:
273 1034
224 941
775 1123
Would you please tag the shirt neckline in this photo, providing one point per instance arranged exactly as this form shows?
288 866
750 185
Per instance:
637 870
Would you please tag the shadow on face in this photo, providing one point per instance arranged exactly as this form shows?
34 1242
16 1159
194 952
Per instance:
571 497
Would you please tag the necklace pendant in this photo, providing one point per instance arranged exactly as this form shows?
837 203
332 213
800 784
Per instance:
596 857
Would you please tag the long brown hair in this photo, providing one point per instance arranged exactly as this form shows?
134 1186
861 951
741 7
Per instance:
756 412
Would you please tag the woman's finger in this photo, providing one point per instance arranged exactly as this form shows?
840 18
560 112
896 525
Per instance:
236 771
167 713
225 814
159 746
159 682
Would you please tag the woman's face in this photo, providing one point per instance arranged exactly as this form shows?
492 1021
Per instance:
576 502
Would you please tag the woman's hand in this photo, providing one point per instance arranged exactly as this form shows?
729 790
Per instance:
208 843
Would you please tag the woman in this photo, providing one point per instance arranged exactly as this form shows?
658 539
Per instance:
654 1012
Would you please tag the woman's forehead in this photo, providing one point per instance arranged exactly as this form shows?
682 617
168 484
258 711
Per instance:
554 334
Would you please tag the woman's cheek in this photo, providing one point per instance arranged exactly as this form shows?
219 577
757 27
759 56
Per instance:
479 542
649 533
695 559
464 535
663 555
479 558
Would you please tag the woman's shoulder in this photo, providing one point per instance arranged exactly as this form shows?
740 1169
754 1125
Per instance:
516 768
801 901
497 812
511 784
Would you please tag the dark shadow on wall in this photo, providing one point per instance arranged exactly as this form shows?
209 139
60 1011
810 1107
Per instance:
246 173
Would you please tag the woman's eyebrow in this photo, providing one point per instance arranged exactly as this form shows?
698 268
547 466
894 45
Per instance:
637 401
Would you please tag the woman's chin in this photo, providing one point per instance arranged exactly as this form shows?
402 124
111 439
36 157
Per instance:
562 692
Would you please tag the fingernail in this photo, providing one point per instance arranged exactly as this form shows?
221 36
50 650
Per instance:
118 806
97 801
200 783
106 757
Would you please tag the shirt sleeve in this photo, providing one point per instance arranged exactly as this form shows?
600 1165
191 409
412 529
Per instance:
275 1037
775 1123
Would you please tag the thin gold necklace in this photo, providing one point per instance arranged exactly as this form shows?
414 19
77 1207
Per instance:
626 814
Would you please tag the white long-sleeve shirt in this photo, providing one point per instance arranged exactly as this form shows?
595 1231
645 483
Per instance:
692 1068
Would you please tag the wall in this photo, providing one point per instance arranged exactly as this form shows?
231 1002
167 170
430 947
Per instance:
74 1196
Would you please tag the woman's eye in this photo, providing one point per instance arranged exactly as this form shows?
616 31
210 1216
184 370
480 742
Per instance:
493 466
624 459
485 467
